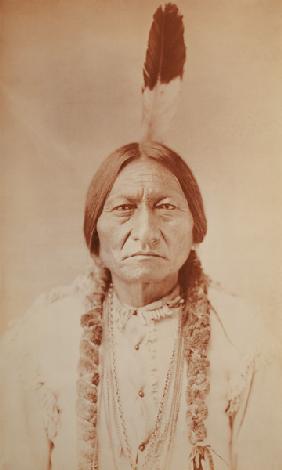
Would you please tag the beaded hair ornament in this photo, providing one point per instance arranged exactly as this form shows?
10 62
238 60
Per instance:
163 71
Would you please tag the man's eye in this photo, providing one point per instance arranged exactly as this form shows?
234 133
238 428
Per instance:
166 206
124 207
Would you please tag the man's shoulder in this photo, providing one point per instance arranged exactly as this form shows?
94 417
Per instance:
234 321
48 333
60 304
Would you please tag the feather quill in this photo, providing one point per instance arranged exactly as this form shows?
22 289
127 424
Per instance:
163 72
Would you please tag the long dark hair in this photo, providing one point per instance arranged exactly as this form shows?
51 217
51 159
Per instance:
106 175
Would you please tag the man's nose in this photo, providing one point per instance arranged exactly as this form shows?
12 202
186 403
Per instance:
145 227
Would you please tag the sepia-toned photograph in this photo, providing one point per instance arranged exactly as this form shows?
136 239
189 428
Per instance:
140 192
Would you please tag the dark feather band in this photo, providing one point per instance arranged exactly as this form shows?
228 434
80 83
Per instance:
166 52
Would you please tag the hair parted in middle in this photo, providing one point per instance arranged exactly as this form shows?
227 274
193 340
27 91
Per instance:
105 177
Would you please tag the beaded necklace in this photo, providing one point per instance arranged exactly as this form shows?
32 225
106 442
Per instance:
160 431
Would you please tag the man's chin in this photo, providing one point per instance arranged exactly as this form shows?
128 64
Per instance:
143 274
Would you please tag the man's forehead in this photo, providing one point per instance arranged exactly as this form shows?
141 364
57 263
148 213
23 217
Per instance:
145 174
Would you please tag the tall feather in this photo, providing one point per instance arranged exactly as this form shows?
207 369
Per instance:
163 72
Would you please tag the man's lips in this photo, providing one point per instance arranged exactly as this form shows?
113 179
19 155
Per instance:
144 254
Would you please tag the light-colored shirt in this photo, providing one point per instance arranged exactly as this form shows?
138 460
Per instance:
39 358
145 344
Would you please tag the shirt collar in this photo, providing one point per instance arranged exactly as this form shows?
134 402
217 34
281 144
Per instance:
160 309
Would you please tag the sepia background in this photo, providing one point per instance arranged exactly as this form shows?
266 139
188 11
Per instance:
70 77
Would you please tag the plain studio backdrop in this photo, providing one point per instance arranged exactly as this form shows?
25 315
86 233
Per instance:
71 77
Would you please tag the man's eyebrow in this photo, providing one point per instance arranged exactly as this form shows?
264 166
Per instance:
118 197
152 195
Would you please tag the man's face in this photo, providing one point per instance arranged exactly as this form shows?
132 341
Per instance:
145 229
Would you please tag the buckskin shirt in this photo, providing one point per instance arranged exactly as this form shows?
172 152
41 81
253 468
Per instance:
39 358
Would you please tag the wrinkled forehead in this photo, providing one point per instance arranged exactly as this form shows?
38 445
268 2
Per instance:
146 176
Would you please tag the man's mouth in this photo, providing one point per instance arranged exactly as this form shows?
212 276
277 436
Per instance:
144 254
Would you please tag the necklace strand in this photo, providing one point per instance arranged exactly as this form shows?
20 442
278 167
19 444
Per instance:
155 437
